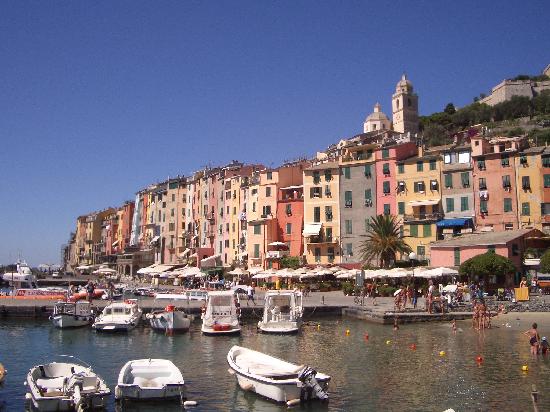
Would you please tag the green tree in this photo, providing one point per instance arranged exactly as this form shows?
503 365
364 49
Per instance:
292 262
487 264
383 241
435 135
545 262
450 108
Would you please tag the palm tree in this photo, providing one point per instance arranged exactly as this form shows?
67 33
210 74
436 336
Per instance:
383 240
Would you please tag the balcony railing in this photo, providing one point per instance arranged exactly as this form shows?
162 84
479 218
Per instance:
423 217
277 254
323 239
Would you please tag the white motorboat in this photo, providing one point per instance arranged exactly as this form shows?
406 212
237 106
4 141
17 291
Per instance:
72 314
118 316
170 319
147 379
282 312
222 314
66 386
276 379
22 277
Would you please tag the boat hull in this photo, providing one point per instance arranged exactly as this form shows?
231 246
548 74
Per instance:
134 392
70 321
114 327
169 321
54 404
211 332
279 327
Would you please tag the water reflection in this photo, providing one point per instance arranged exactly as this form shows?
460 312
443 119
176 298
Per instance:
371 374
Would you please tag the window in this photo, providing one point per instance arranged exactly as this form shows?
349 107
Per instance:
348 198
316 214
400 186
419 187
257 229
266 211
505 160
328 213
421 251
367 171
414 230
507 204
465 179
386 168
508 226
525 183
515 249
546 161
523 160
433 164
385 153
172 212
482 183
253 206
463 204
317 254
347 172
464 157
386 187
457 256
427 230
506 181
369 153
491 248
483 207
546 181
349 227
328 234
268 191
256 250
448 180
316 177
481 164
289 228
447 158
525 209
289 210
545 209
401 208
328 175
368 196
328 192
254 192
387 210
269 175
349 249
315 191
450 204
330 254
401 168
420 166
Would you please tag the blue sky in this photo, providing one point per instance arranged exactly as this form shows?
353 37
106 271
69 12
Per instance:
98 99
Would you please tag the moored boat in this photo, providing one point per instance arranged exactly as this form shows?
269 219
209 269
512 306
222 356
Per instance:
66 386
222 314
118 316
276 379
72 314
147 379
282 312
170 319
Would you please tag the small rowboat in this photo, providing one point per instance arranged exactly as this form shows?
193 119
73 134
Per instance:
276 379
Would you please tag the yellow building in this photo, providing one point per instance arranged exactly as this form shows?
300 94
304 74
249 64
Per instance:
530 187
322 213
237 218
419 200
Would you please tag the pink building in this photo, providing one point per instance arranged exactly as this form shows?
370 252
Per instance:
509 243
385 175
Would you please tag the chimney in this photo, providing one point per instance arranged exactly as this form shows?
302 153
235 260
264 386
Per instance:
421 150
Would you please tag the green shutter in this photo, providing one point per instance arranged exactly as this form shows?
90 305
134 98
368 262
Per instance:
427 230
465 179
457 256
483 206
348 196
367 171
525 209
463 204
386 168
385 153
347 173
401 208
507 204
433 165
387 209
400 168
368 194
419 166
256 250
386 187
450 202
448 180
546 181
414 230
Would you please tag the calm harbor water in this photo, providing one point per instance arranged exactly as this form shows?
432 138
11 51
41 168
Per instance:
366 375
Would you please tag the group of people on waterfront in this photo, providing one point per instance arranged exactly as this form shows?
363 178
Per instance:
538 345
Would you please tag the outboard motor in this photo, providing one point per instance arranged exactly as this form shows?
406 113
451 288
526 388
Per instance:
310 385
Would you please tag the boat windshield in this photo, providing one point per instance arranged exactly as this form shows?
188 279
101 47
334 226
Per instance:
221 300
281 302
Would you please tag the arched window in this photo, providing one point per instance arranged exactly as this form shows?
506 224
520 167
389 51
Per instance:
397 103
409 102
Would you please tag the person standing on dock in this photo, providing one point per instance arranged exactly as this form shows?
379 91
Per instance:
250 294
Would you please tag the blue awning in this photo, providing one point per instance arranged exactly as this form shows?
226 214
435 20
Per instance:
454 222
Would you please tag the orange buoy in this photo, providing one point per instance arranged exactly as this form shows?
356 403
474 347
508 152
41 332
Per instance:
412 346
366 336
479 359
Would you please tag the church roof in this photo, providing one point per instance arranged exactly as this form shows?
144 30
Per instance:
377 114
404 83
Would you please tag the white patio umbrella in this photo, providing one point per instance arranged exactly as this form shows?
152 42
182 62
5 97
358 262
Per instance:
301 271
323 272
346 275
255 270
287 273
335 269
104 271
237 271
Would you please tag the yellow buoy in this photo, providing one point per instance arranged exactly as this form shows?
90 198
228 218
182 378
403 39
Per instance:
388 342
442 353
524 368
318 326
347 331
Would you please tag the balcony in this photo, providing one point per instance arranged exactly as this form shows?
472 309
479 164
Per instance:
322 239
423 217
277 254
